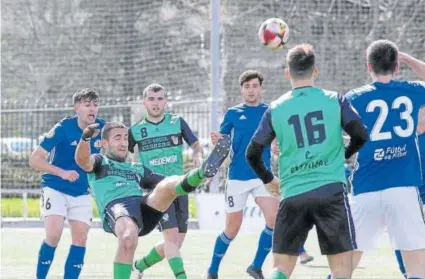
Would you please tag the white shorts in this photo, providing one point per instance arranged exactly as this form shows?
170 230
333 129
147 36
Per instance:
397 209
53 202
237 192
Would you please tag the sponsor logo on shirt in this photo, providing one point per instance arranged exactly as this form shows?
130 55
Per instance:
390 153
163 160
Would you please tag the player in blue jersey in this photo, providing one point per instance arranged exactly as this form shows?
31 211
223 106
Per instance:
388 170
64 184
241 122
421 143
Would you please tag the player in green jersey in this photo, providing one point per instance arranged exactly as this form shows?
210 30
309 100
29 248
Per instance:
117 187
159 139
307 122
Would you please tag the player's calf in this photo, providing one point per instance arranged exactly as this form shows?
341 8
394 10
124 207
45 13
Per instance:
283 265
414 262
341 265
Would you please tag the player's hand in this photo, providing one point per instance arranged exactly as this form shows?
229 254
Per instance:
197 160
69 175
274 187
403 57
91 131
275 147
215 136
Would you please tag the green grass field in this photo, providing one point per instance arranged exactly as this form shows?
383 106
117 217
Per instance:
19 249
13 207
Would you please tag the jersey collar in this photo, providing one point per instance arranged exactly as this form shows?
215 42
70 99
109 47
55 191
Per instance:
153 123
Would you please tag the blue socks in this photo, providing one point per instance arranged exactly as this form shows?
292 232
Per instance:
400 262
264 246
302 250
74 262
220 248
45 259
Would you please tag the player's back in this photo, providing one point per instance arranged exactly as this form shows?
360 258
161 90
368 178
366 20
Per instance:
61 143
307 122
390 112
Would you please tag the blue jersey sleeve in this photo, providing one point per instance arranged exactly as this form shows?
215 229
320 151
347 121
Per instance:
53 137
226 126
421 88
188 136
348 113
265 133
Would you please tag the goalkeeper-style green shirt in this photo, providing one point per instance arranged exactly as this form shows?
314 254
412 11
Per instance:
161 144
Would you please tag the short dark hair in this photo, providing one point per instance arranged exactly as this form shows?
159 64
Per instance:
301 60
85 94
250 74
109 126
383 56
155 87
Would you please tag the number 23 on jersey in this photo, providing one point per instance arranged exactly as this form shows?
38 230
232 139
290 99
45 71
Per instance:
404 106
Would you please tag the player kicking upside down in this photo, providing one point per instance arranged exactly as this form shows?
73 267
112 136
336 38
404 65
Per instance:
308 123
117 187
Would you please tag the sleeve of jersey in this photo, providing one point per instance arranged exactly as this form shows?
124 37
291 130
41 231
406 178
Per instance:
348 113
131 141
421 85
150 179
265 134
353 126
53 137
226 126
188 136
98 158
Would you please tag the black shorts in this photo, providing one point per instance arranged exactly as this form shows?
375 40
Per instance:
176 216
135 207
328 209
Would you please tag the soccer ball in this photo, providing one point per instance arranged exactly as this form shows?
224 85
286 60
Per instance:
273 33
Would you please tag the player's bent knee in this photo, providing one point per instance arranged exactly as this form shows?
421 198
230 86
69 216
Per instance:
128 240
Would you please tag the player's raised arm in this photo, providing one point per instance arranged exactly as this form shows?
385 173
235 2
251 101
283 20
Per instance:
262 138
353 126
82 154
38 159
416 65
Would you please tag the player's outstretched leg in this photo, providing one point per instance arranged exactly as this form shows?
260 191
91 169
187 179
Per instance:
171 187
